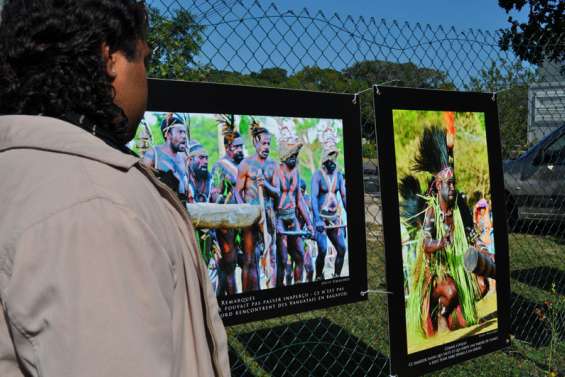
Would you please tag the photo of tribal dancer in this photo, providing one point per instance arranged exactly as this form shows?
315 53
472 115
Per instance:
265 194
448 249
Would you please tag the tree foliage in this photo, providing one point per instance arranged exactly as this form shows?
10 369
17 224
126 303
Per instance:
542 37
370 72
401 74
511 80
175 42
274 75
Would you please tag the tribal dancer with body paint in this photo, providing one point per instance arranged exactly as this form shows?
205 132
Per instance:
309 244
224 176
200 191
167 159
290 241
327 183
200 179
442 294
257 183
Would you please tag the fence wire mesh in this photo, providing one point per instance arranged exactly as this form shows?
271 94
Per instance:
246 42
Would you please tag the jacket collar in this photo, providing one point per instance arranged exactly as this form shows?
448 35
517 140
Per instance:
55 135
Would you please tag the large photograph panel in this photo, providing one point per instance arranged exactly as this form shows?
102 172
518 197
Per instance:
221 159
266 178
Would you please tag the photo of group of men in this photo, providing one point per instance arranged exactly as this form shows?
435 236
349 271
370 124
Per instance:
446 227
270 191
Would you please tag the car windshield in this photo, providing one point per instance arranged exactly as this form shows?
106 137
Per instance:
534 147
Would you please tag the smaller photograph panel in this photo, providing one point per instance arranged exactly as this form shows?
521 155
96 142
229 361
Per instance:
447 234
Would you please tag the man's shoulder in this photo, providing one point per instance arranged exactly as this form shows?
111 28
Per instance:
246 161
218 163
45 134
150 153
162 152
36 170
42 182
223 163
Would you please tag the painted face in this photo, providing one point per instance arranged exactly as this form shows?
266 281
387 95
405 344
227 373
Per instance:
176 137
235 150
291 161
263 145
199 164
446 190
330 166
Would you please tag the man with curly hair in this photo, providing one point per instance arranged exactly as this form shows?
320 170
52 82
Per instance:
99 274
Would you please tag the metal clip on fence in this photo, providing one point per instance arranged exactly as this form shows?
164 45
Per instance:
375 86
363 293
355 95
499 91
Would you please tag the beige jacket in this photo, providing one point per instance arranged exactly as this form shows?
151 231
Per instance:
99 270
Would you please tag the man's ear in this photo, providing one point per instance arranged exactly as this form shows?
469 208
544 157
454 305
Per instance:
110 61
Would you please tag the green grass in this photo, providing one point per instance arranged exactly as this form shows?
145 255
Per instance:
520 359
368 321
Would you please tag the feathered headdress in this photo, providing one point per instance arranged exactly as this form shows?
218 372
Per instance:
288 140
170 121
413 204
228 128
228 123
256 129
327 135
433 155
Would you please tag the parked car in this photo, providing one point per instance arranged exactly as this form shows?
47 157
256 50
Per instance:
371 181
535 182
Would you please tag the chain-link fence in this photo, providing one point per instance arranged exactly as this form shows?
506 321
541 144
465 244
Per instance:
248 42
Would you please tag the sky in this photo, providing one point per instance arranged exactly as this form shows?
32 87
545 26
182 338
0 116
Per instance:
463 14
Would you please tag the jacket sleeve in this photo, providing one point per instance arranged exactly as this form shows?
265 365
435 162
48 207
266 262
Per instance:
91 295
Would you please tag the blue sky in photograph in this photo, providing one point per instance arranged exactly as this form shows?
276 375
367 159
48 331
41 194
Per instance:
463 14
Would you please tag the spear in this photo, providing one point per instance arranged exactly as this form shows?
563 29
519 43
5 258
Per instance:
336 226
296 233
265 257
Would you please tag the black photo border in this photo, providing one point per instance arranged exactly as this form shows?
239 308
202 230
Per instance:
197 97
387 99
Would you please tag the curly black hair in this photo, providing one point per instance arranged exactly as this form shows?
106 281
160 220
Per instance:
52 63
